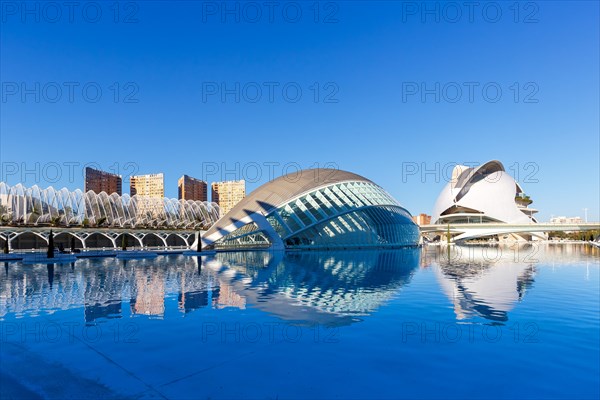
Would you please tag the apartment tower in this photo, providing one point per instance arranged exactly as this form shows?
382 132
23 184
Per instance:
152 185
192 189
227 194
101 181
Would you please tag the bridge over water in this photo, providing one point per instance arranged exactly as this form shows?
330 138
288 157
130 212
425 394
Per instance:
478 230
179 237
110 236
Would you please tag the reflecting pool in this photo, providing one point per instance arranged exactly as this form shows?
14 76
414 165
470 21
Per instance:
451 322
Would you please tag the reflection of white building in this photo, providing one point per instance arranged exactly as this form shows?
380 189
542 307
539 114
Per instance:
483 194
485 285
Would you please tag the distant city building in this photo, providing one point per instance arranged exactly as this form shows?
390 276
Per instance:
192 189
227 194
566 220
422 219
152 185
101 181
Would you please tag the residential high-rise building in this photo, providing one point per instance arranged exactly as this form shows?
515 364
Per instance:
227 194
192 189
152 185
422 219
101 181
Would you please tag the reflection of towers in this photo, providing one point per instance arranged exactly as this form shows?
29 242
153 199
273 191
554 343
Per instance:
150 294
227 297
200 290
98 310
105 303
190 301
194 292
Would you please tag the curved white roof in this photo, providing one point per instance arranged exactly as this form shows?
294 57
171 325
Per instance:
486 190
280 190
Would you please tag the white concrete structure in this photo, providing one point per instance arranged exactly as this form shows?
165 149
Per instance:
21 206
317 208
478 230
483 194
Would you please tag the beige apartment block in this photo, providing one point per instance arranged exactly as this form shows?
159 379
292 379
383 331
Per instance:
152 185
227 194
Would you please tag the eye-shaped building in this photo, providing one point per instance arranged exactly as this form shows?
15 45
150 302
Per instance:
315 209
482 194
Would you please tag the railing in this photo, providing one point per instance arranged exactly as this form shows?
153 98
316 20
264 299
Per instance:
488 224
96 249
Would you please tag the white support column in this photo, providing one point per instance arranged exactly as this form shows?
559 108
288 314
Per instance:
81 238
163 236
139 237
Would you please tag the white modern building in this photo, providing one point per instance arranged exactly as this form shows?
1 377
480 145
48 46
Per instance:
484 194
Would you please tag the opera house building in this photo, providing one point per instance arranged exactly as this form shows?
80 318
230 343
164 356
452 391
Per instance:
483 194
315 209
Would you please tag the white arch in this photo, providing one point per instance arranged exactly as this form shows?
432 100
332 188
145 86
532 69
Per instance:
33 206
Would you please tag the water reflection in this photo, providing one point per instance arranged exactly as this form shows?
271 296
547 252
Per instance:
328 288
485 281
99 286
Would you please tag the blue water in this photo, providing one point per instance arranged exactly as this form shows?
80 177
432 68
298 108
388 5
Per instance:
469 322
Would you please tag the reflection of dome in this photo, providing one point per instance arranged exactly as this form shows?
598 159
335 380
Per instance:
487 288
482 194
324 208
311 287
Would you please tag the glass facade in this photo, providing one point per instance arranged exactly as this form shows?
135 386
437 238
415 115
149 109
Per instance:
343 215
248 236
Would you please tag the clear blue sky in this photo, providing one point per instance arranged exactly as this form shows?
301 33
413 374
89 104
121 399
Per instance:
367 59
